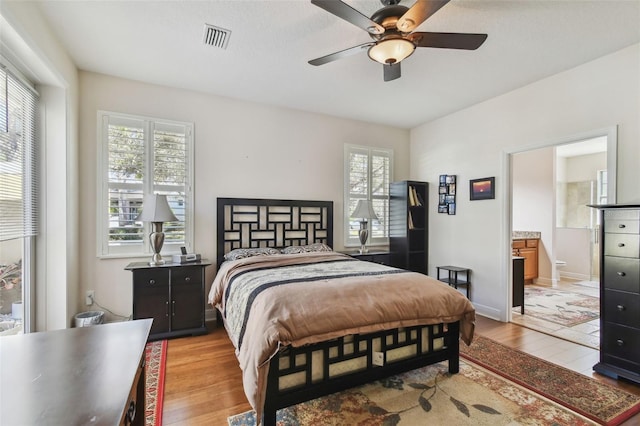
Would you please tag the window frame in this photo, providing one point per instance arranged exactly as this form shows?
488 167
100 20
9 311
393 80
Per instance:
141 248
350 241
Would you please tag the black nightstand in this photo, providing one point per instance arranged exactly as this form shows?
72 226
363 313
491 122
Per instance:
173 295
381 257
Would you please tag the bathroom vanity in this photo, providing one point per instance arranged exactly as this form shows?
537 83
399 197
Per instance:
525 244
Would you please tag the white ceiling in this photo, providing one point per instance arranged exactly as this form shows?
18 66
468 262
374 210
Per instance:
161 42
586 147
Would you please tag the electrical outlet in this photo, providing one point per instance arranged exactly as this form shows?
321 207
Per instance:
89 298
378 359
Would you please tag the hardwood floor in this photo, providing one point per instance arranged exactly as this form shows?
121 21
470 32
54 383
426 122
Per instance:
203 383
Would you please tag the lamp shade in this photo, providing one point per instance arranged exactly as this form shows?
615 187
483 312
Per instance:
391 51
364 210
155 208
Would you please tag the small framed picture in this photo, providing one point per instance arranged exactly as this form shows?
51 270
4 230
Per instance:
482 189
452 208
442 208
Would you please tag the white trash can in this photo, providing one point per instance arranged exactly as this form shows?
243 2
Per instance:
87 319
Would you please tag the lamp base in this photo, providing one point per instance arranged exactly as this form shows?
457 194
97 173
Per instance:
156 260
363 235
156 240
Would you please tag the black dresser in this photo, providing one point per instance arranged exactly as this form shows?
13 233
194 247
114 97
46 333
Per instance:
619 291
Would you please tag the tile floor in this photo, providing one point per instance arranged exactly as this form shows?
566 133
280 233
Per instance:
587 334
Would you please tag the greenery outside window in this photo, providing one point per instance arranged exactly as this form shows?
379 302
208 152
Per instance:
368 173
139 156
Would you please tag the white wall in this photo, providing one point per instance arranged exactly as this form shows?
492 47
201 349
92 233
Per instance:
242 150
476 142
533 203
573 246
585 167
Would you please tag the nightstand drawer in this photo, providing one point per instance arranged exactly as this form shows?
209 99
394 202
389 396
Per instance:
186 275
621 308
623 245
151 277
621 273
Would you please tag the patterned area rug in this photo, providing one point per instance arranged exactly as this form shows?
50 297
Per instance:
560 307
475 396
156 358
598 401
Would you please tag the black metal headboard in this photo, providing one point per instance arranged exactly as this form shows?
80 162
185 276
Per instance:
254 222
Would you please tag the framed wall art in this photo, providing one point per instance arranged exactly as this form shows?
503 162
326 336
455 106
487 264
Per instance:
447 194
482 189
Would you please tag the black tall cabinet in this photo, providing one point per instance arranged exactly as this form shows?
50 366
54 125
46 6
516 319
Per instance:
619 291
408 235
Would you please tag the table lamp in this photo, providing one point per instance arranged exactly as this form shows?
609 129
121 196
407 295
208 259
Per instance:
155 209
364 210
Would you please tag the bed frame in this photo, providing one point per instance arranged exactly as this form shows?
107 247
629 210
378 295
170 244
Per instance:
252 223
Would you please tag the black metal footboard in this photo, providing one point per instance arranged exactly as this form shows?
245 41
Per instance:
305 373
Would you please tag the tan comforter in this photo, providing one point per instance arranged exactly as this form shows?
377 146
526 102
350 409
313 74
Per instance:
359 297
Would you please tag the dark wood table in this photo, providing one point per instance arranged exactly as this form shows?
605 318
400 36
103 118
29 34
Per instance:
77 376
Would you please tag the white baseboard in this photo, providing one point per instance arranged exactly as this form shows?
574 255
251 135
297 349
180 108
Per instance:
210 315
575 276
547 282
489 312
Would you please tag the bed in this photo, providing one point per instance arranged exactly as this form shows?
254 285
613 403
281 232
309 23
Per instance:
307 321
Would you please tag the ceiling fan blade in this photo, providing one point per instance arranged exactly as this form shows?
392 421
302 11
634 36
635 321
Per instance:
349 14
448 40
391 71
418 13
341 54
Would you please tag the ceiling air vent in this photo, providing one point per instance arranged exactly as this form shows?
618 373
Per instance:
216 36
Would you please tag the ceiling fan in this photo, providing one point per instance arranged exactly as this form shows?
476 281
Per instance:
391 30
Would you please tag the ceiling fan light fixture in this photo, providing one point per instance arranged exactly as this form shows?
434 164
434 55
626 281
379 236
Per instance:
391 51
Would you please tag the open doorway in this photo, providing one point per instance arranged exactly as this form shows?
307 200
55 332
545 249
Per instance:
551 188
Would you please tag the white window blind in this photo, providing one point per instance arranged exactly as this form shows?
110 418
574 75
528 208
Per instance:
18 158
368 172
143 156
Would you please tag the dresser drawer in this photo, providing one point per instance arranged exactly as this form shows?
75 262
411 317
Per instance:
622 221
621 273
624 245
621 308
151 277
186 275
621 342
622 227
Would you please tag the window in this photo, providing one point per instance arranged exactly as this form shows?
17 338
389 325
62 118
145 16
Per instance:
18 199
602 187
367 176
139 156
